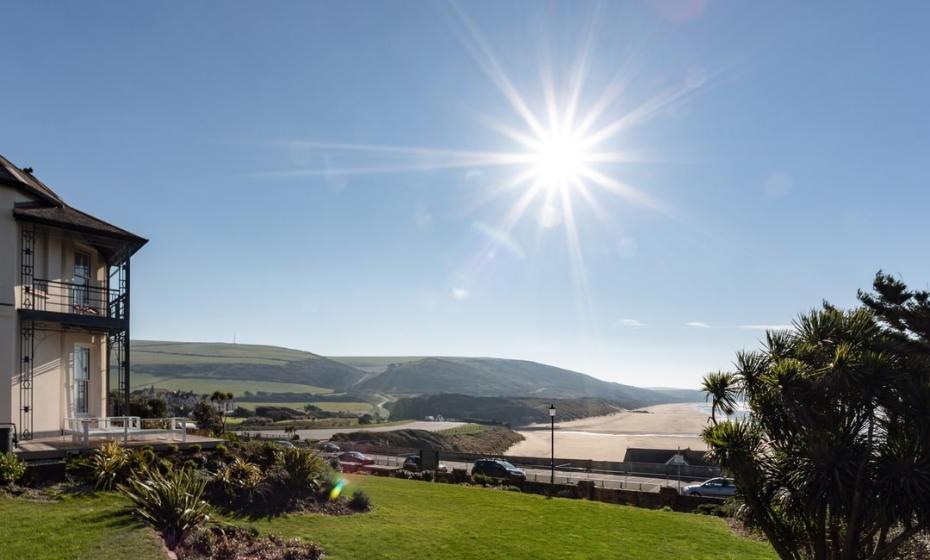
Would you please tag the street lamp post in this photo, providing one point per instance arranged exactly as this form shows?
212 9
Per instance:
552 457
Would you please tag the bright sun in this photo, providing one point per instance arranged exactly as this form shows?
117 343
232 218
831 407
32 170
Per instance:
559 160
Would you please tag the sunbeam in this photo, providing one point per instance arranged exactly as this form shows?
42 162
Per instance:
564 152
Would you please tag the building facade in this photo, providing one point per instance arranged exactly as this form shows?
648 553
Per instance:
64 310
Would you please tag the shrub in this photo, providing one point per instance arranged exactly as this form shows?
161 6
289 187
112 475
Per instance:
12 468
428 476
263 453
242 412
171 502
110 464
196 448
277 413
141 459
482 479
208 417
171 449
710 509
221 450
360 501
303 471
235 543
239 484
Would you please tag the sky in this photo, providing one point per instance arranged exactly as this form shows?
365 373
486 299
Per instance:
376 178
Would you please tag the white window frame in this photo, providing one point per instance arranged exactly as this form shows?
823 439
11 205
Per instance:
75 381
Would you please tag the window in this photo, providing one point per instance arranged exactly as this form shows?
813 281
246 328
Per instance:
81 376
81 279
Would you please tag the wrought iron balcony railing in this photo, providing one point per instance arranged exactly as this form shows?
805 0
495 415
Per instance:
73 298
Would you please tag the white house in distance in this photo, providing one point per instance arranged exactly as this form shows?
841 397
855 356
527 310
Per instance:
64 310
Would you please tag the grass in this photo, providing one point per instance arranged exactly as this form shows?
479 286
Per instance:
79 527
206 385
410 520
441 521
355 407
463 429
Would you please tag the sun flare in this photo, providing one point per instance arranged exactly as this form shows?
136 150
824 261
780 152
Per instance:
559 160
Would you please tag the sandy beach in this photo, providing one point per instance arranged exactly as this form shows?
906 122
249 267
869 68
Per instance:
607 438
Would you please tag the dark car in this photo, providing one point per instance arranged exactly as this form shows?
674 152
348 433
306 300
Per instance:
498 468
412 463
330 447
355 457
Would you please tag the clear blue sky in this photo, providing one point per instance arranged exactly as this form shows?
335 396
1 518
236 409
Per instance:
788 143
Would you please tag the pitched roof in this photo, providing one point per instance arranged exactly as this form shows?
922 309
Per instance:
51 210
663 456
16 177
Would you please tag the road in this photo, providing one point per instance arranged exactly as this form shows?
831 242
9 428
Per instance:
642 483
327 433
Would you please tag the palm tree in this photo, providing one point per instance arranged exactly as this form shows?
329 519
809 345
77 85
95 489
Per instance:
832 461
220 398
721 389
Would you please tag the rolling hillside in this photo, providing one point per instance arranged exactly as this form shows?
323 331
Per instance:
244 363
490 377
203 367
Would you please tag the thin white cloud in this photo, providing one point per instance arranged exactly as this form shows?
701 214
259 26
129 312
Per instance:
765 327
459 293
697 324
628 323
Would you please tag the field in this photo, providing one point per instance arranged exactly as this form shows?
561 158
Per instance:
410 520
439 521
84 528
206 385
354 407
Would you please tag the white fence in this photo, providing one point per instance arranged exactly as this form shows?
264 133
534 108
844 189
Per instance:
82 429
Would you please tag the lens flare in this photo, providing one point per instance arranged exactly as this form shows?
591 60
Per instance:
337 490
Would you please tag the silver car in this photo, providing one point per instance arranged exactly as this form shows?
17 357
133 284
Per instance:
715 488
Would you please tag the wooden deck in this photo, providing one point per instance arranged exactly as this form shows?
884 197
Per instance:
60 447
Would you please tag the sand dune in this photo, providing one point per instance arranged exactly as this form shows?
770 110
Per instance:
606 438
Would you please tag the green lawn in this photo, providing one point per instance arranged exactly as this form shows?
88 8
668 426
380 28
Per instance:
441 521
355 407
410 520
206 385
91 527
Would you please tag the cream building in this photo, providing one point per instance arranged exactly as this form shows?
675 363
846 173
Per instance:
64 310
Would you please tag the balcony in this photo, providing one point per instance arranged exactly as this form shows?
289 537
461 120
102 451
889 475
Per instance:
74 304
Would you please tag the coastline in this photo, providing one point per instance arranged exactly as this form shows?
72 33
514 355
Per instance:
606 438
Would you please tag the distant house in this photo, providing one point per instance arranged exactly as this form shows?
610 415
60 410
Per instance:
664 456
64 310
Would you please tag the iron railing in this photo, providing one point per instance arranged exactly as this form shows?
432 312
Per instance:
73 298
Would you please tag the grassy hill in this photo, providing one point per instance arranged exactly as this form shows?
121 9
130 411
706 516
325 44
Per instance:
205 367
499 377
249 363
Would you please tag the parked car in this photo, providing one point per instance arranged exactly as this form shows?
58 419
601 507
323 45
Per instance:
412 463
715 488
355 457
285 443
499 469
330 447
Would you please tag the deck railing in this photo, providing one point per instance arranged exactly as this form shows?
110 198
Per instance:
83 429
73 298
